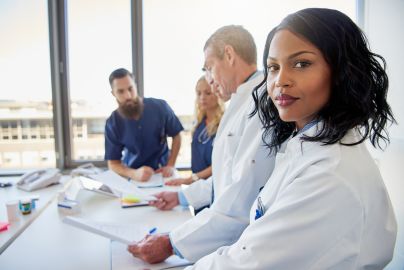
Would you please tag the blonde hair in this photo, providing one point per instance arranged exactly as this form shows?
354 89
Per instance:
211 127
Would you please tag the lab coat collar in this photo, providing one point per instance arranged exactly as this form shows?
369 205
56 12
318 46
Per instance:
252 75
296 144
242 89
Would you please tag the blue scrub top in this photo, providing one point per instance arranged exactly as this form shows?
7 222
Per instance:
142 142
201 147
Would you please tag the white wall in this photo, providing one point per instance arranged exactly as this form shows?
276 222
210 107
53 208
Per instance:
384 26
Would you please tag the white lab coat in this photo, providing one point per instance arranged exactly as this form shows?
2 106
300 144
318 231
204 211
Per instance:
228 136
241 165
326 208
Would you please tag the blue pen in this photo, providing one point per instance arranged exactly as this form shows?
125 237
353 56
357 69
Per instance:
153 230
260 211
257 214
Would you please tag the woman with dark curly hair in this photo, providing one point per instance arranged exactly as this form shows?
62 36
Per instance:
325 205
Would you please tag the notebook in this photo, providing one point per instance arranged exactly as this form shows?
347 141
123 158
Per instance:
134 201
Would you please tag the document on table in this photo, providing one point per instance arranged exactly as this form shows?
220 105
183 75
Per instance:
123 233
133 201
156 180
120 184
121 259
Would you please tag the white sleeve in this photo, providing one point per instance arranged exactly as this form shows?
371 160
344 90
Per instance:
199 193
314 223
211 228
225 220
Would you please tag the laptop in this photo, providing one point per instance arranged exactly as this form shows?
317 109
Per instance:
96 186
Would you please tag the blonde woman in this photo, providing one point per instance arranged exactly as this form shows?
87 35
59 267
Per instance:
208 110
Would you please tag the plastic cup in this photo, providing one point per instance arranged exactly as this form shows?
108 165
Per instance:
12 211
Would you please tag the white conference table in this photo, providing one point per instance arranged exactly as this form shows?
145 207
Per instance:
50 244
13 193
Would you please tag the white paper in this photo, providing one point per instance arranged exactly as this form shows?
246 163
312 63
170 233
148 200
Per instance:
126 234
155 181
120 184
73 190
121 259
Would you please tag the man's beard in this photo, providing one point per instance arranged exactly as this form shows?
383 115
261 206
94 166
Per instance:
131 109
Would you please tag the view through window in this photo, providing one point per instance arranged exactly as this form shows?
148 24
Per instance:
175 32
26 118
99 33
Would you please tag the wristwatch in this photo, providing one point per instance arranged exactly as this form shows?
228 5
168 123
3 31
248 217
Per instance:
194 177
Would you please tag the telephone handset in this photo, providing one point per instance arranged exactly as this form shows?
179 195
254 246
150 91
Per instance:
38 179
87 169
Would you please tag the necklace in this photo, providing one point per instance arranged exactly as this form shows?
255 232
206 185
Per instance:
203 136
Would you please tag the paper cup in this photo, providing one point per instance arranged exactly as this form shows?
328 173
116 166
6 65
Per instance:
13 213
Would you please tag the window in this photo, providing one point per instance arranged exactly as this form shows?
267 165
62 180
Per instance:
99 34
26 84
102 36
175 32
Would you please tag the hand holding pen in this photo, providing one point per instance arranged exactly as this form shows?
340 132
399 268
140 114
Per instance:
154 248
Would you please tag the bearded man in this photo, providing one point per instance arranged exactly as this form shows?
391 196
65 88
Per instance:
136 133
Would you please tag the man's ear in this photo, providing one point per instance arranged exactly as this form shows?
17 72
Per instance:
229 54
112 93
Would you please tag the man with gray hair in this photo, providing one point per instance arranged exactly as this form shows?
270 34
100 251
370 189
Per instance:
240 162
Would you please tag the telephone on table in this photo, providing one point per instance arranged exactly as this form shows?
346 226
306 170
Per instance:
86 170
38 179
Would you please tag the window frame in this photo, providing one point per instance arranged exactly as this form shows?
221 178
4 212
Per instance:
58 38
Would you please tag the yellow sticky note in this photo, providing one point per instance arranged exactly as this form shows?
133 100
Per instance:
130 199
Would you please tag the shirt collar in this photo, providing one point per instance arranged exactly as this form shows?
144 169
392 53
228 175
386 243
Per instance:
252 75
306 127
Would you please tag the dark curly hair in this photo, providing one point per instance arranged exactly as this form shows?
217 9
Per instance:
359 82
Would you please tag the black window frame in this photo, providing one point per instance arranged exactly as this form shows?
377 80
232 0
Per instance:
59 51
